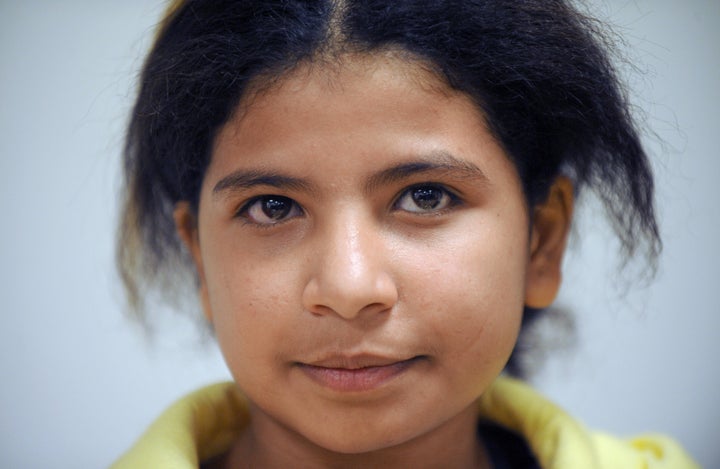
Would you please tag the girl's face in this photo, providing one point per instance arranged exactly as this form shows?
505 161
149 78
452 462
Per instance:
364 254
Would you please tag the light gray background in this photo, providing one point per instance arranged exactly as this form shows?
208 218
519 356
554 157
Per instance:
78 380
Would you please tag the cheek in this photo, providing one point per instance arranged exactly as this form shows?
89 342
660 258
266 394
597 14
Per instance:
471 289
483 261
254 307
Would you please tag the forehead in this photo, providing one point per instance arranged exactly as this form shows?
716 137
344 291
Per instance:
335 125
322 100
337 129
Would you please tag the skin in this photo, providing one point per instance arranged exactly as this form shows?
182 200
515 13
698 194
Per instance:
398 245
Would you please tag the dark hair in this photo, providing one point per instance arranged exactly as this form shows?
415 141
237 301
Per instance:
539 70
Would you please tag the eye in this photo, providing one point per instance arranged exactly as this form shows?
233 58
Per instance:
270 210
426 198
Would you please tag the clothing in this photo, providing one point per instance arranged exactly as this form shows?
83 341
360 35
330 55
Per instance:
505 449
204 424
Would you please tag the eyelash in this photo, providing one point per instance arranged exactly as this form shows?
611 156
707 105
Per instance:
245 211
447 198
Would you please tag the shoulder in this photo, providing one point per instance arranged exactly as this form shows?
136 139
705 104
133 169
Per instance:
560 441
196 428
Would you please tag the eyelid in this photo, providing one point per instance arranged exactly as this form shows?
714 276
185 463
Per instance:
455 199
242 212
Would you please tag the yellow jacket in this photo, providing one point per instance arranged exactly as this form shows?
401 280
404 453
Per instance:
205 423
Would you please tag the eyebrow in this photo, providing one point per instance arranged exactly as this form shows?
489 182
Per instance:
437 162
247 179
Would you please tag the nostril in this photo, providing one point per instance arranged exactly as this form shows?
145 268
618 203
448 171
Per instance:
319 310
376 308
324 295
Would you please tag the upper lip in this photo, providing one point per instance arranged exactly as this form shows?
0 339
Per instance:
357 361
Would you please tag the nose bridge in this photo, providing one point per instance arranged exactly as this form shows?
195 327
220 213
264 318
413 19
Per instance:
351 273
351 250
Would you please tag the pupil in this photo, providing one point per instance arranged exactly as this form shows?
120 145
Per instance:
427 197
275 208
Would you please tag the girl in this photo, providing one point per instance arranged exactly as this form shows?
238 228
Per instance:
374 197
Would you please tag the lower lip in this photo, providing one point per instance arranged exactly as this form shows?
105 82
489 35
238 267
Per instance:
356 380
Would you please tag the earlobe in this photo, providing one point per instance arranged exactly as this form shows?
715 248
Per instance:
550 228
186 225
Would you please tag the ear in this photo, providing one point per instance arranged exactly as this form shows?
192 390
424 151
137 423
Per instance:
186 224
550 227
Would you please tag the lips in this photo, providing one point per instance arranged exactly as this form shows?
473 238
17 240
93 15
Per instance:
356 374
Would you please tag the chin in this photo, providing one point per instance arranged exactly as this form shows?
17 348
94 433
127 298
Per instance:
352 443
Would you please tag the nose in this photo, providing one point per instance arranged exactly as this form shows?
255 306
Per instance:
350 272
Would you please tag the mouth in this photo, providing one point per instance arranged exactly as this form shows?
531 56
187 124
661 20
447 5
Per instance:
358 373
